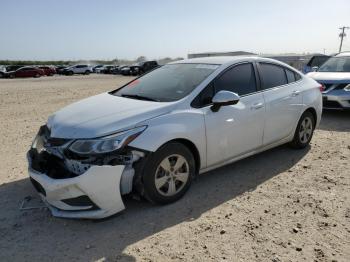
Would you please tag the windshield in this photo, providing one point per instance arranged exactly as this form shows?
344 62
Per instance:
336 64
167 83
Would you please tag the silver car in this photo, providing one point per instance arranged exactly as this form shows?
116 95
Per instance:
334 75
156 133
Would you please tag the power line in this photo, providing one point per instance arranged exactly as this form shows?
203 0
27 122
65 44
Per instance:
342 35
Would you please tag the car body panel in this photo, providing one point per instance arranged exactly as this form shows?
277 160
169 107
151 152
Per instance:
82 120
238 128
283 109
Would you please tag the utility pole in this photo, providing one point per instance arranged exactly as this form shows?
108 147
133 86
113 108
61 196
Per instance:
342 35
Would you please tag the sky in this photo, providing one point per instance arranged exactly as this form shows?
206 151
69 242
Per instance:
109 29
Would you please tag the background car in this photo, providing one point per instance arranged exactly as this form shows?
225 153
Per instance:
96 68
48 70
108 69
26 71
77 69
315 61
142 67
2 71
124 70
334 75
10 68
60 69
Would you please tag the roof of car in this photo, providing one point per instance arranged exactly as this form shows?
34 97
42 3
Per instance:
220 60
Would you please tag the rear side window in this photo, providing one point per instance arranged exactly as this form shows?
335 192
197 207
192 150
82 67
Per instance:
239 79
290 76
272 75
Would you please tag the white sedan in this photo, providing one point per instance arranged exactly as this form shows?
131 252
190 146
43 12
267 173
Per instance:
159 131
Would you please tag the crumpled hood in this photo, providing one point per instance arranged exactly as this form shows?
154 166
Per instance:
102 115
330 77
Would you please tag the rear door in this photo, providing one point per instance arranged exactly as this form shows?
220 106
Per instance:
234 129
283 101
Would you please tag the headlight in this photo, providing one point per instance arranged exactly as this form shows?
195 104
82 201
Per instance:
347 88
106 144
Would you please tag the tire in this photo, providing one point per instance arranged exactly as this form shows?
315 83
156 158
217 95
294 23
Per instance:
37 75
304 131
162 181
87 72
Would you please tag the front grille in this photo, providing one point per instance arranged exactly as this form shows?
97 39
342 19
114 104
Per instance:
49 164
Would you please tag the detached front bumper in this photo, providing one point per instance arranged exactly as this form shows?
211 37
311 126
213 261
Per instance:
94 194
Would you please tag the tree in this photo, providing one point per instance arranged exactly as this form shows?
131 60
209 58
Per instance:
141 59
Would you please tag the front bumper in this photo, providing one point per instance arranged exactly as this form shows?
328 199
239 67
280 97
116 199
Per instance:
94 194
336 99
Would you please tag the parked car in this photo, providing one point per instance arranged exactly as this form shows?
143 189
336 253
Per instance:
334 75
48 70
108 69
13 67
142 67
77 69
26 71
60 69
97 68
157 132
124 70
315 61
2 71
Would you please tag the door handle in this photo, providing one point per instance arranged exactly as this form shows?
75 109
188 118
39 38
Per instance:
257 106
295 93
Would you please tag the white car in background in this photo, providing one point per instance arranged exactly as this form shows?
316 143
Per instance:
334 75
78 69
156 133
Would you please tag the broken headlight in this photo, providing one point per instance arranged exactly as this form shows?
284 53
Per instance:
106 144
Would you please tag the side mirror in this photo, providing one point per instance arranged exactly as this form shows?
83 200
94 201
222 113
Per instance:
314 68
224 98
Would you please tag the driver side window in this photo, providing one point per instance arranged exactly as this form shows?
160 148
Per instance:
239 79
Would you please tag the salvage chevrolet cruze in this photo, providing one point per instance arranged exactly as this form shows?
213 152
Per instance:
155 134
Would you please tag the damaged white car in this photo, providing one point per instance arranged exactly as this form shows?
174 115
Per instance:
153 135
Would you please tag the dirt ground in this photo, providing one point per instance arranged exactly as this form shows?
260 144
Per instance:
281 205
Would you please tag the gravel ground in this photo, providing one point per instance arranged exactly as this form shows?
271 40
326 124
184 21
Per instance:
281 205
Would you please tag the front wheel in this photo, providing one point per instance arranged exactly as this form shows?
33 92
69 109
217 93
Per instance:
304 131
87 72
168 173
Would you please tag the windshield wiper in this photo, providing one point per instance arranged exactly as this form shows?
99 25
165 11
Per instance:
140 97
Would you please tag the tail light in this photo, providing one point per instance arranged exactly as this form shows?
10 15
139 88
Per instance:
322 88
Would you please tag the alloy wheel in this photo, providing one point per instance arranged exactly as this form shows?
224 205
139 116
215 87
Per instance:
305 130
171 175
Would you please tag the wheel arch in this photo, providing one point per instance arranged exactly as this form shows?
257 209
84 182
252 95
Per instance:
313 112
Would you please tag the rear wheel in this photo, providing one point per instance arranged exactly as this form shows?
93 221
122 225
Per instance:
87 72
304 131
168 173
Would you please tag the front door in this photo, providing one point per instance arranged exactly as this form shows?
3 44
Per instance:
235 129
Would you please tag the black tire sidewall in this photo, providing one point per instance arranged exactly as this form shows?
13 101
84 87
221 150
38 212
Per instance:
296 143
149 172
